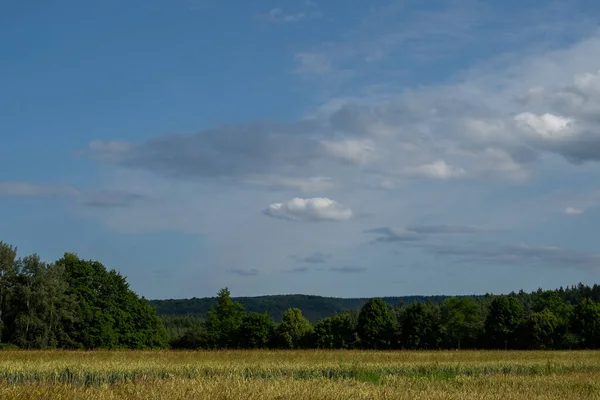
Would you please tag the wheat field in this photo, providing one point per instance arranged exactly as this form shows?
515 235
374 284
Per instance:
299 375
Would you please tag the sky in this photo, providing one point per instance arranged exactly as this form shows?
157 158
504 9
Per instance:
342 148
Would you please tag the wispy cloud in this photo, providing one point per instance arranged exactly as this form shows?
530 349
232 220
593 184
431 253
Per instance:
313 63
92 198
243 272
427 35
519 254
298 270
26 189
573 211
314 258
389 235
306 185
277 15
109 198
420 232
446 229
348 270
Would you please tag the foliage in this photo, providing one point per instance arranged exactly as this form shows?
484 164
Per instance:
586 322
79 304
314 308
461 322
542 328
375 325
72 303
419 327
295 331
223 321
503 322
337 332
256 331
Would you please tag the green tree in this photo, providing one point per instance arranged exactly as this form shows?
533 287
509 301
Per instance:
107 314
552 301
223 321
419 328
40 305
194 337
295 331
256 330
461 321
8 255
541 328
504 320
586 322
375 324
336 332
324 334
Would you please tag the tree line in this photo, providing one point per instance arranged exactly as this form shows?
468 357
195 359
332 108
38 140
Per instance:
314 308
551 319
72 303
79 304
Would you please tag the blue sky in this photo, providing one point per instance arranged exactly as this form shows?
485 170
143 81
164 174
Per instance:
355 148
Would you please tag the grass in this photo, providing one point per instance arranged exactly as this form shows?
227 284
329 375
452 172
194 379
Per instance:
299 375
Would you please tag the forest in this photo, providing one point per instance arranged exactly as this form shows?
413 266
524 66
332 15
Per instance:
314 308
78 304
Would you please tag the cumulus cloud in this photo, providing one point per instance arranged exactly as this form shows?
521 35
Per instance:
440 133
546 126
569 126
311 209
357 152
573 211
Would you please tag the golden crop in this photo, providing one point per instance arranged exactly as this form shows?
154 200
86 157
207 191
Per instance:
299 375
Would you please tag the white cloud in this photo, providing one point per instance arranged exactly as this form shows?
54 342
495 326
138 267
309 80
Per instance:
546 126
357 152
312 209
279 16
438 170
573 211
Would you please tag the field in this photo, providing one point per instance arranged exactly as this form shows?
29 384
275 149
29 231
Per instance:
299 375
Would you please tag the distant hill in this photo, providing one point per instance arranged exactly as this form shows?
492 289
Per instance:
313 307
